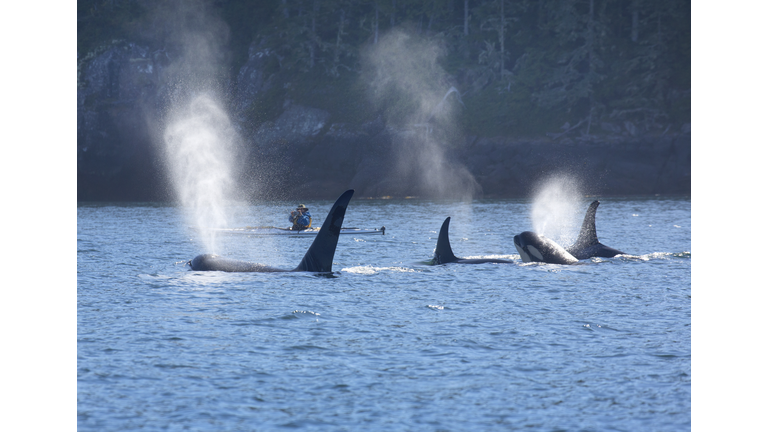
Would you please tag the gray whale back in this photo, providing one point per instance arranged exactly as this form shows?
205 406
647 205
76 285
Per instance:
537 248
318 258
213 262
444 253
587 245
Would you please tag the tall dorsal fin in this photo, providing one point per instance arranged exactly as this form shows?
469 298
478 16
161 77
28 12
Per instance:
319 256
443 252
588 233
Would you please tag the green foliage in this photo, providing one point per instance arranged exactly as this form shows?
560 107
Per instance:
344 97
101 21
244 19
502 112
524 67
266 106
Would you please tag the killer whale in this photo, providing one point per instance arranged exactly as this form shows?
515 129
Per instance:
534 247
444 253
587 245
318 258
537 248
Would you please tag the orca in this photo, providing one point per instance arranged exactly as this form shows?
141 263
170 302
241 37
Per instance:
587 245
537 248
318 259
444 253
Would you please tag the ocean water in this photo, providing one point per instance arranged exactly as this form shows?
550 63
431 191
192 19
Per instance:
388 342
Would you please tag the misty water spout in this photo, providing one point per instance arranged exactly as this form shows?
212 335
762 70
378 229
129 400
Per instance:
556 206
200 148
407 82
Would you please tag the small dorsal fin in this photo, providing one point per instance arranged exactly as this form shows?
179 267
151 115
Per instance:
443 252
588 233
319 256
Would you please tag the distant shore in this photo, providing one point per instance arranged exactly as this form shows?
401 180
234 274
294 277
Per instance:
501 168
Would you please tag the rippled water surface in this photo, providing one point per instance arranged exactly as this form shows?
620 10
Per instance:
388 342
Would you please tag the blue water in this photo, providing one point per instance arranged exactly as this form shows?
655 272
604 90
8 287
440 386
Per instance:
388 342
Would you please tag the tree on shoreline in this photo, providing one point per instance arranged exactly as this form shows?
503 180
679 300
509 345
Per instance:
522 67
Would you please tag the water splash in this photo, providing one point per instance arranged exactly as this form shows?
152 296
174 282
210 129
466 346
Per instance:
200 147
557 204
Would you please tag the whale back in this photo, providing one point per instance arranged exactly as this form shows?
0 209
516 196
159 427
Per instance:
319 256
534 247
587 245
588 233
213 262
443 252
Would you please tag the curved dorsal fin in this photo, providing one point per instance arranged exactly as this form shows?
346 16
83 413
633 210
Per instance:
319 256
588 233
443 252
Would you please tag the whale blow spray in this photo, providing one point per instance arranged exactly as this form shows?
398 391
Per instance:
200 146
408 85
556 208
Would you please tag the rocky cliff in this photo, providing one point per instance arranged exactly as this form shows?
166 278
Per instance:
118 93
124 92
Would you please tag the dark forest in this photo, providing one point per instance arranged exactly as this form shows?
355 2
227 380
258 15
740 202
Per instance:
523 68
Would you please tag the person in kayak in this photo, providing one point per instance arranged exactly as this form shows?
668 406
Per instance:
300 218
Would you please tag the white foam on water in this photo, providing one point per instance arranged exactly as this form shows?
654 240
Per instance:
369 270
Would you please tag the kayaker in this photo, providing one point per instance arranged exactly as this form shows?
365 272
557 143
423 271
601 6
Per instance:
300 218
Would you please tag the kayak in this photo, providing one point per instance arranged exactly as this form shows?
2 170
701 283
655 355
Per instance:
272 230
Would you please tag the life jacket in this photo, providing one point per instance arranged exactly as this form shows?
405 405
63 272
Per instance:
297 227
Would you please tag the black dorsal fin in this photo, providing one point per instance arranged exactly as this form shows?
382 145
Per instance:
588 233
443 252
319 256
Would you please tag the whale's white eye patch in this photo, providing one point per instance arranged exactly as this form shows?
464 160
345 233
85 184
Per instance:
535 252
523 254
